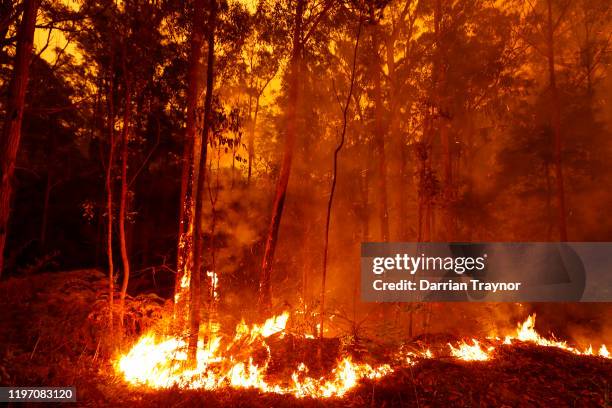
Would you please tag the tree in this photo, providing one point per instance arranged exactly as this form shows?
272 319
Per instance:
262 64
11 129
337 150
198 235
123 199
556 118
300 36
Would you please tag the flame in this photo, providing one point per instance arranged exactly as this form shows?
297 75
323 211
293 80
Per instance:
346 376
470 352
214 284
162 363
242 361
526 332
412 357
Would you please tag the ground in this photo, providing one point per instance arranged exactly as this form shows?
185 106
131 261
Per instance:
52 326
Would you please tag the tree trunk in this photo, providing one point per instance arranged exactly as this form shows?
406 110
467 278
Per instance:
11 129
198 235
549 217
123 201
45 211
283 180
556 125
189 173
251 142
365 197
48 187
334 179
442 120
379 137
109 197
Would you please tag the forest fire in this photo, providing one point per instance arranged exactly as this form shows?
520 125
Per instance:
162 362
306 202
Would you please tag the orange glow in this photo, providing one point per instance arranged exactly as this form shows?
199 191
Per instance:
161 363
470 352
526 332
222 361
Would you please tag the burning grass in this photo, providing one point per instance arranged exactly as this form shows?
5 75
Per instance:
161 363
533 369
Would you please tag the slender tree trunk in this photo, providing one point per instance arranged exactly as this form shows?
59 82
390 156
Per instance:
11 129
198 235
124 201
251 142
403 193
189 172
379 137
365 192
109 198
251 137
556 125
334 179
549 217
265 296
45 211
47 194
443 127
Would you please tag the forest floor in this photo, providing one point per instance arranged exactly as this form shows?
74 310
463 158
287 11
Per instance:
51 325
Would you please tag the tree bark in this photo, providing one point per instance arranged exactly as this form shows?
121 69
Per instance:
198 235
109 197
11 129
556 125
123 201
189 174
283 180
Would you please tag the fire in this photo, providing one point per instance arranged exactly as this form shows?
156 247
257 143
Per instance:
162 363
470 352
242 361
526 332
346 376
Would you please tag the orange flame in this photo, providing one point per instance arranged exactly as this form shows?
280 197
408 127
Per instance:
162 364
526 332
470 352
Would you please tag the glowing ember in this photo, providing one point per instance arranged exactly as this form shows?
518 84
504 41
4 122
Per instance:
470 352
